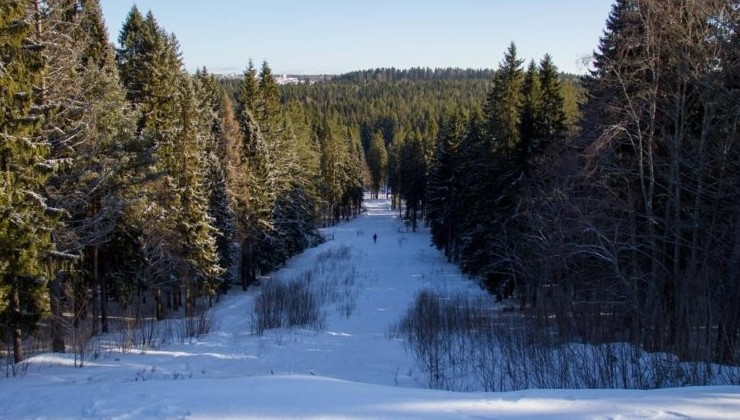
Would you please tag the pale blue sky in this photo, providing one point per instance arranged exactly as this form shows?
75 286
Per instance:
336 36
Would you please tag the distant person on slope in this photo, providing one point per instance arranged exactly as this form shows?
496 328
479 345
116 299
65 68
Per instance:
375 237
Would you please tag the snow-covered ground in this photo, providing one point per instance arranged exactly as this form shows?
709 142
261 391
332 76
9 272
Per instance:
348 369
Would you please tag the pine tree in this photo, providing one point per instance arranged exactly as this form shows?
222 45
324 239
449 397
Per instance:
276 200
308 155
477 202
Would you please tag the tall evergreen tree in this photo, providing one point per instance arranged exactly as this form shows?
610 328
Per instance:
198 241
27 221
248 90
445 185
495 155
531 107
221 212
267 106
251 195
221 151
87 126
414 170
550 122
503 104
168 207
136 41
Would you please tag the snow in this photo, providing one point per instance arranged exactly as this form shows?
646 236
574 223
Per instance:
348 369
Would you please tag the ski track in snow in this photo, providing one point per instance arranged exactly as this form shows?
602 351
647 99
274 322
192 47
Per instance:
349 369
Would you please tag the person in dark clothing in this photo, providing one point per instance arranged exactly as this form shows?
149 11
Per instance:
375 237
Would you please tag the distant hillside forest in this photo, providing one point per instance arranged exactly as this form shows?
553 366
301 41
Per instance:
606 206
397 102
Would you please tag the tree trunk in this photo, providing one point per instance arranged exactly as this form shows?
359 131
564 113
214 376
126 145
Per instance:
15 324
244 268
103 290
80 301
188 300
94 286
176 298
413 221
253 266
158 304
57 315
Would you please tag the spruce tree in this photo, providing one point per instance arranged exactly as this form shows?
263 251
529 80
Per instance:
201 270
168 206
248 90
150 71
27 221
531 107
445 185
550 122
496 158
220 148
87 126
221 212
136 42
251 194
503 104
267 106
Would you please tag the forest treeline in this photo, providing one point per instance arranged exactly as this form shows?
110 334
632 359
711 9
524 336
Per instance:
624 229
607 205
415 74
403 103
126 178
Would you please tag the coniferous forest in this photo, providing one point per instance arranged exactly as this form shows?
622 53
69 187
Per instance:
606 205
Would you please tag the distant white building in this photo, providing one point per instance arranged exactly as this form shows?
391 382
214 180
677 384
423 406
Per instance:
286 80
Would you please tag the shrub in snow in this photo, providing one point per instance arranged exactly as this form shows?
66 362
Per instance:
465 344
300 301
196 325
287 304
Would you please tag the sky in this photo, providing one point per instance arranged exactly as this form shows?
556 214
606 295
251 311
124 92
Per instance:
337 36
